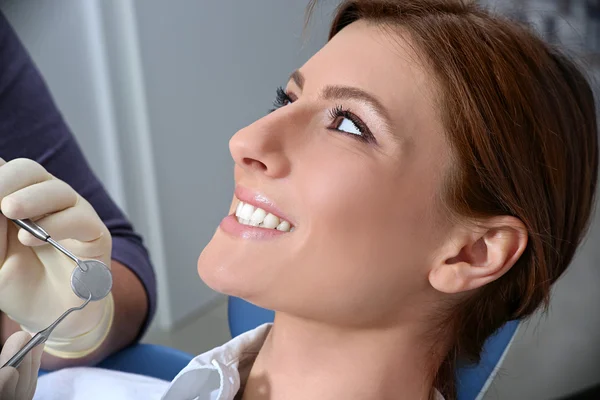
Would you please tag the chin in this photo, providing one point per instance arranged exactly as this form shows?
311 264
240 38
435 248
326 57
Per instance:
216 277
219 270
242 268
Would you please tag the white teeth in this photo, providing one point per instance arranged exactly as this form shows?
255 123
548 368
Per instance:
284 226
254 216
258 216
246 211
270 221
238 210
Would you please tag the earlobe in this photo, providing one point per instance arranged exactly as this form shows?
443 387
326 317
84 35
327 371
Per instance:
479 256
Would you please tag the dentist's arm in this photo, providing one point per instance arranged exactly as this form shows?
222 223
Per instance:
32 127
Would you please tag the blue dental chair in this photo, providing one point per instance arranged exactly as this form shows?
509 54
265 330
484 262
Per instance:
146 359
472 381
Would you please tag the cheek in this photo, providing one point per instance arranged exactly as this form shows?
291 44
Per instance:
362 206
368 233
349 204
355 232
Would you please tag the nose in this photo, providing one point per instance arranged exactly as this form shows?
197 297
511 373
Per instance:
260 148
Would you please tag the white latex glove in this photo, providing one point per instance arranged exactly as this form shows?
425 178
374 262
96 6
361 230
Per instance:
34 277
19 384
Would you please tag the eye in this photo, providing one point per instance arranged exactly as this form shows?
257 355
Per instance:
281 99
348 126
348 123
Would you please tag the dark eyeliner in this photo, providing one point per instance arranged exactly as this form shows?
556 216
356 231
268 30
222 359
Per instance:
340 112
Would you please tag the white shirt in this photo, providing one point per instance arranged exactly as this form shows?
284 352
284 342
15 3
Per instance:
215 375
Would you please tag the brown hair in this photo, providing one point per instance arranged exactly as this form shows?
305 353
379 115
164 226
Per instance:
520 117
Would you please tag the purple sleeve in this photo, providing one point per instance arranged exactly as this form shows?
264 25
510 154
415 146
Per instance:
32 127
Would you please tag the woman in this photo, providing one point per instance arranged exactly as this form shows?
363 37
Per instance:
424 178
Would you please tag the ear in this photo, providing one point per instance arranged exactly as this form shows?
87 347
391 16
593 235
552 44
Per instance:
474 257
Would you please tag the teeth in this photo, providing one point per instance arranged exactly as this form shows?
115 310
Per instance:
284 226
258 216
255 216
246 211
270 221
238 210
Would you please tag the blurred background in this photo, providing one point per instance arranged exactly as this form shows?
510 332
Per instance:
154 89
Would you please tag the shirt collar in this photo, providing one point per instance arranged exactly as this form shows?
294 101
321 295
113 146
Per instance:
219 373
216 374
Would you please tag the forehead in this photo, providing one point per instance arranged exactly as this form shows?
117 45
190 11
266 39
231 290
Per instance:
381 62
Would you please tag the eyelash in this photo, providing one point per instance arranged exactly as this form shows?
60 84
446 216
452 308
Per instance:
283 99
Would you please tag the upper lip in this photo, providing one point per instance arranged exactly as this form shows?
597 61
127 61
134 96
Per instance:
260 200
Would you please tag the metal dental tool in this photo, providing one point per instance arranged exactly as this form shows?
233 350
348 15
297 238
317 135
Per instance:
91 276
91 280
41 337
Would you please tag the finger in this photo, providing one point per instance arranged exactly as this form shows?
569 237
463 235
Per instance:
24 375
20 173
36 363
13 344
80 223
39 199
26 372
9 377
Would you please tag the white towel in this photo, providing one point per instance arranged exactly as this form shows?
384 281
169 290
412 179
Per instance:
98 384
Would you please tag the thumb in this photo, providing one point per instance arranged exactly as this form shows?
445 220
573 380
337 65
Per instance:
30 384
22 385
12 345
9 377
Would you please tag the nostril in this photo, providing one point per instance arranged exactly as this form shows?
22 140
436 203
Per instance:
253 163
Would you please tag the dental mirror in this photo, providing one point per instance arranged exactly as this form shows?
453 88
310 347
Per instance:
92 277
89 276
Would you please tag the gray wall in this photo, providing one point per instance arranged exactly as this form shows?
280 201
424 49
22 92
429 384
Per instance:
210 68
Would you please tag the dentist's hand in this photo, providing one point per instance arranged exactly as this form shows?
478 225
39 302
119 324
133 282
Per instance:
20 383
34 277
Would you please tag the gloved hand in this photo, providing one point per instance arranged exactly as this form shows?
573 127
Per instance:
34 277
20 383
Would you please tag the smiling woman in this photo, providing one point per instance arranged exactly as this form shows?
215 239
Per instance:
423 161
424 178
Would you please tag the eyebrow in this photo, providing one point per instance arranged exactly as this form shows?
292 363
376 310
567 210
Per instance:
344 93
298 79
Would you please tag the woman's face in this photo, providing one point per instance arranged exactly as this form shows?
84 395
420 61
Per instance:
354 160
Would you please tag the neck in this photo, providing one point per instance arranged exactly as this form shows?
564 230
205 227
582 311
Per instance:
303 359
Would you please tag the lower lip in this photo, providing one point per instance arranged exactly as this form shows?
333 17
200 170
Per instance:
231 226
